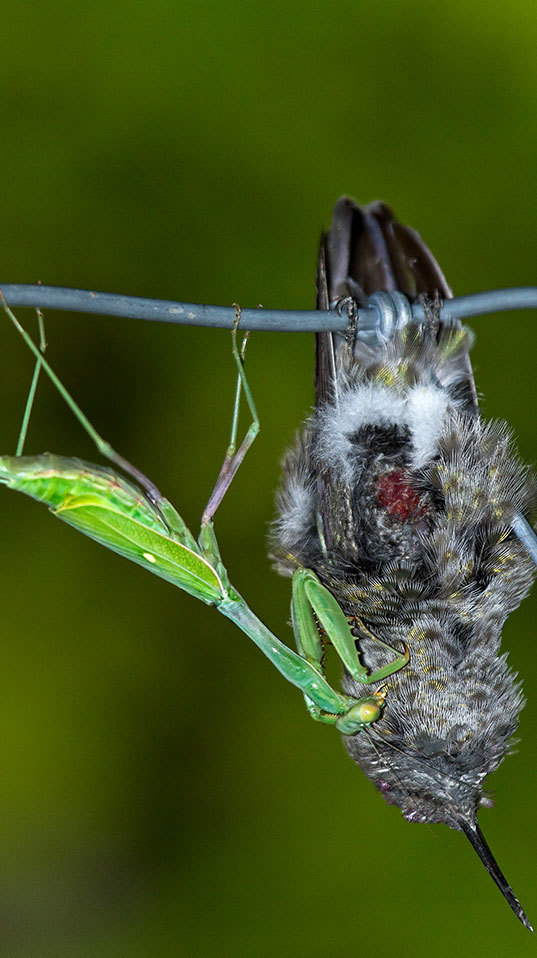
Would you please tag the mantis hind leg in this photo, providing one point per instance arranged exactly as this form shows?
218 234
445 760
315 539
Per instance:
104 447
234 456
33 386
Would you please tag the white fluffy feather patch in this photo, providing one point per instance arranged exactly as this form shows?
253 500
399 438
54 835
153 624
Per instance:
296 512
427 407
366 405
422 408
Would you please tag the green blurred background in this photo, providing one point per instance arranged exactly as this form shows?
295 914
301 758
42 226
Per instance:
162 790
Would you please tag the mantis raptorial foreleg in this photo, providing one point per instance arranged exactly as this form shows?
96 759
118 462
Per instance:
143 526
313 605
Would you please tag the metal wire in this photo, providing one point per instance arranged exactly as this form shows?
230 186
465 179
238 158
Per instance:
526 535
371 319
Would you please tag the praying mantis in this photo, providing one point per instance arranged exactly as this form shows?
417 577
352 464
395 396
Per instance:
125 512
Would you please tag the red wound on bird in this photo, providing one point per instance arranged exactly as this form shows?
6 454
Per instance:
397 495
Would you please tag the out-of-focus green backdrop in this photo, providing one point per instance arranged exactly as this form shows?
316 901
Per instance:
162 790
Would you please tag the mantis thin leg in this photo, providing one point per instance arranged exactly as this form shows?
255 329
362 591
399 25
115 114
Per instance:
236 406
234 456
102 445
33 386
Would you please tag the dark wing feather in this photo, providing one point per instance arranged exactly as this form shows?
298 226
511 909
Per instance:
325 359
367 250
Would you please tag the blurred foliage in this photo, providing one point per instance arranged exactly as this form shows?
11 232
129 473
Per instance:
163 791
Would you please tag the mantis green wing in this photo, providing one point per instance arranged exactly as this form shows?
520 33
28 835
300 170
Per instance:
115 513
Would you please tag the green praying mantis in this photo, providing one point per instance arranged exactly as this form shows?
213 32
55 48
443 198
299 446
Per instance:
132 518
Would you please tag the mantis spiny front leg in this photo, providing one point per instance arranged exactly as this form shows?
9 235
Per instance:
313 603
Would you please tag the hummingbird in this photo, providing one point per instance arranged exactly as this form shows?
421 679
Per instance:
400 498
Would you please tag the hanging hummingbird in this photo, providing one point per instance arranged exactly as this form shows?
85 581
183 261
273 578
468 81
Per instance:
400 498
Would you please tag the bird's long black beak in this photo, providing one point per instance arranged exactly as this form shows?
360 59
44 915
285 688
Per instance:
474 833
